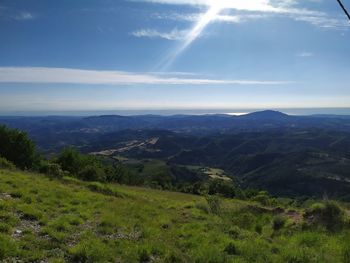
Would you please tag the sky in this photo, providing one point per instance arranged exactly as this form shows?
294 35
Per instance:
173 54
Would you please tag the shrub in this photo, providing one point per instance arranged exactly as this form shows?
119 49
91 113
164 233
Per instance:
258 228
17 148
264 199
221 187
84 167
103 189
244 220
278 222
60 225
203 207
92 173
51 169
5 164
346 254
90 250
214 204
16 194
71 180
5 228
7 247
328 214
231 249
172 259
29 213
70 160
144 256
235 232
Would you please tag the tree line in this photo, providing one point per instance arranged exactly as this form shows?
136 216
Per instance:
18 150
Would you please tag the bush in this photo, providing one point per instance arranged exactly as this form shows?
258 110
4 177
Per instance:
278 222
5 228
5 164
258 229
16 194
92 173
231 249
264 199
346 253
221 187
328 214
203 207
214 204
144 256
235 232
172 258
17 148
90 250
103 189
29 213
51 169
70 160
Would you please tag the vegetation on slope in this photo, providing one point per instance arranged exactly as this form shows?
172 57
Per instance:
59 218
67 220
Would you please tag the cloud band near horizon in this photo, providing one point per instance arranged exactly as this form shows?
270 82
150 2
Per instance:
92 77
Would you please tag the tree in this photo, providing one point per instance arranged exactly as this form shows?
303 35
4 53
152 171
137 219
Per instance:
16 147
222 187
71 161
92 173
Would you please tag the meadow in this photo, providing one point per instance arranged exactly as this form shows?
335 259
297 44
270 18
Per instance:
44 219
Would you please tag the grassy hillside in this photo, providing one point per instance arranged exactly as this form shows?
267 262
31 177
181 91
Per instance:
49 220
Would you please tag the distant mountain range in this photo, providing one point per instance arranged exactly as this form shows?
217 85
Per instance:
287 155
54 132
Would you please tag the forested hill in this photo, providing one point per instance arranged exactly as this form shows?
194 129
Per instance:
286 155
263 120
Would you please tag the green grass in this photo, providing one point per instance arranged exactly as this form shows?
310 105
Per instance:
67 220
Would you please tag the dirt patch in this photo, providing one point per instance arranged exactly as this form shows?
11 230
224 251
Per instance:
132 236
295 216
25 225
5 196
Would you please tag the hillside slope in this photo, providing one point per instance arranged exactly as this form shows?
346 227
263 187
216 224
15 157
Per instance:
50 220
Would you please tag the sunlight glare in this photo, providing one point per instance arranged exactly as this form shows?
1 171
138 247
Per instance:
215 7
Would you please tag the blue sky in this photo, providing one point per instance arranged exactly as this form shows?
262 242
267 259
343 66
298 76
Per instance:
173 54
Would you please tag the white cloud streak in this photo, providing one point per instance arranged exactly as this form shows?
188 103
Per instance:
175 34
276 6
94 77
305 54
247 10
11 14
23 16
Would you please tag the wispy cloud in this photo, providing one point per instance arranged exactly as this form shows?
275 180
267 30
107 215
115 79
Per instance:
244 11
175 34
23 16
275 6
236 11
11 14
94 77
305 54
193 17
325 21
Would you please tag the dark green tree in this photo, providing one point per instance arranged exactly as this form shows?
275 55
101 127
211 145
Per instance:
16 147
71 160
222 187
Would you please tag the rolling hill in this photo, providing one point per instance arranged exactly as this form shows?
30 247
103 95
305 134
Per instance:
67 220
